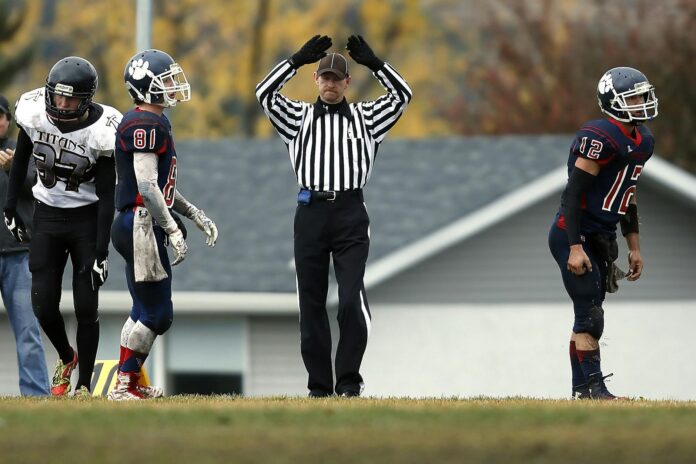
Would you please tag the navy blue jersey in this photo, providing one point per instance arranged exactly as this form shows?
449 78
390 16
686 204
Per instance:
144 132
621 158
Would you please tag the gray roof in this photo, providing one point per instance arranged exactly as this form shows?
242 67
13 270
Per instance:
419 186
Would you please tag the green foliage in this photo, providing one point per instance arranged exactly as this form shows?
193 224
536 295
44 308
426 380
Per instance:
15 53
510 66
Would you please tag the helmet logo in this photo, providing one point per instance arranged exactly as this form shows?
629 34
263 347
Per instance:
641 87
62 89
138 69
605 84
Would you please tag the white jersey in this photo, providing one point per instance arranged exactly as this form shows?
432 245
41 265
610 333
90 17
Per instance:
65 162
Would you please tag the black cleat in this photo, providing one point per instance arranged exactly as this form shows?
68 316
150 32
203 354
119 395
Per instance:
349 394
598 390
581 392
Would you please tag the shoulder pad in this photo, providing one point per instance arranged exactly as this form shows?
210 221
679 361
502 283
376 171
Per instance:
103 131
144 133
30 107
594 141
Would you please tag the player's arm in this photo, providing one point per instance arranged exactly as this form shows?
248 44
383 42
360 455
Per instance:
18 175
581 177
629 229
145 167
105 183
205 224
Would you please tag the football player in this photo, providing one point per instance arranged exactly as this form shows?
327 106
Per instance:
72 140
606 159
146 162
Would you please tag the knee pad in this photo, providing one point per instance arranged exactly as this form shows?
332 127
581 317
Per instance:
126 330
596 322
141 338
590 321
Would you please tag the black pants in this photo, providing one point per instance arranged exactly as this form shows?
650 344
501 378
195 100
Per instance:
338 228
57 234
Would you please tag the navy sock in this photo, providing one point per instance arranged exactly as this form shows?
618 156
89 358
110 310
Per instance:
133 361
578 375
590 362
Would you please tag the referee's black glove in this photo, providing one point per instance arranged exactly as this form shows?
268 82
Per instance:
313 50
361 52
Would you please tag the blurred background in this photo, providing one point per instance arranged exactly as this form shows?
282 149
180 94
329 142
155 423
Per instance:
465 188
476 67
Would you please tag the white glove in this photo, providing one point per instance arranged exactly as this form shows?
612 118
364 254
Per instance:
176 240
208 227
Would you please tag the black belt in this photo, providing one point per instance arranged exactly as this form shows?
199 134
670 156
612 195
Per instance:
331 195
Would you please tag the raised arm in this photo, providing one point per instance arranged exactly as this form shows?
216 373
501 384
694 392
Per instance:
285 114
381 114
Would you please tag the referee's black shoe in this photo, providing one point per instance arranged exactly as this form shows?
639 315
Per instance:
319 394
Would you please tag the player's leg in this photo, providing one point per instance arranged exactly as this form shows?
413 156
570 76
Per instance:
152 315
312 272
575 286
47 258
122 238
586 291
350 244
81 245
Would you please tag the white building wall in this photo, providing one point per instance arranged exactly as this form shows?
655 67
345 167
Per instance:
522 350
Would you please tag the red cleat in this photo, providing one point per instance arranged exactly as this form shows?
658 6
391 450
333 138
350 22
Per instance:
60 386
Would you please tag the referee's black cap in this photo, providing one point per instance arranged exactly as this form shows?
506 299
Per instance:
333 63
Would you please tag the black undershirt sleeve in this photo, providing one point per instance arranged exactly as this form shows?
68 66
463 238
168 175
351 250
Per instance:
18 171
105 181
578 182
629 221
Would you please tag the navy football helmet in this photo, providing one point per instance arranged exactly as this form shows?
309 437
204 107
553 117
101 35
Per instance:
618 84
152 76
71 77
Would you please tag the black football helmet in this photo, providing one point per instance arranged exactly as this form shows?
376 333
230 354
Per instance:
71 77
152 76
618 84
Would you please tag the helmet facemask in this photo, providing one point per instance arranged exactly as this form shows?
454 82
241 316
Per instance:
171 86
66 91
635 113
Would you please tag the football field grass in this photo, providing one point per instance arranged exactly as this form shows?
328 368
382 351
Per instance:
197 430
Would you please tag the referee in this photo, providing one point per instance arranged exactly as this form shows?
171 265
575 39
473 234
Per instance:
332 145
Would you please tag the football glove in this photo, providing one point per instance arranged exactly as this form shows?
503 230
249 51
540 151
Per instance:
178 243
100 271
360 51
15 225
205 224
313 50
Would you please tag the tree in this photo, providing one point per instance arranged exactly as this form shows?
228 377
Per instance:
16 49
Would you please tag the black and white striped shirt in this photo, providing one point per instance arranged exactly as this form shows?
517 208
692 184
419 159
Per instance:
332 151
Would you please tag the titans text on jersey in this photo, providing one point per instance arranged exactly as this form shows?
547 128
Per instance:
66 161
